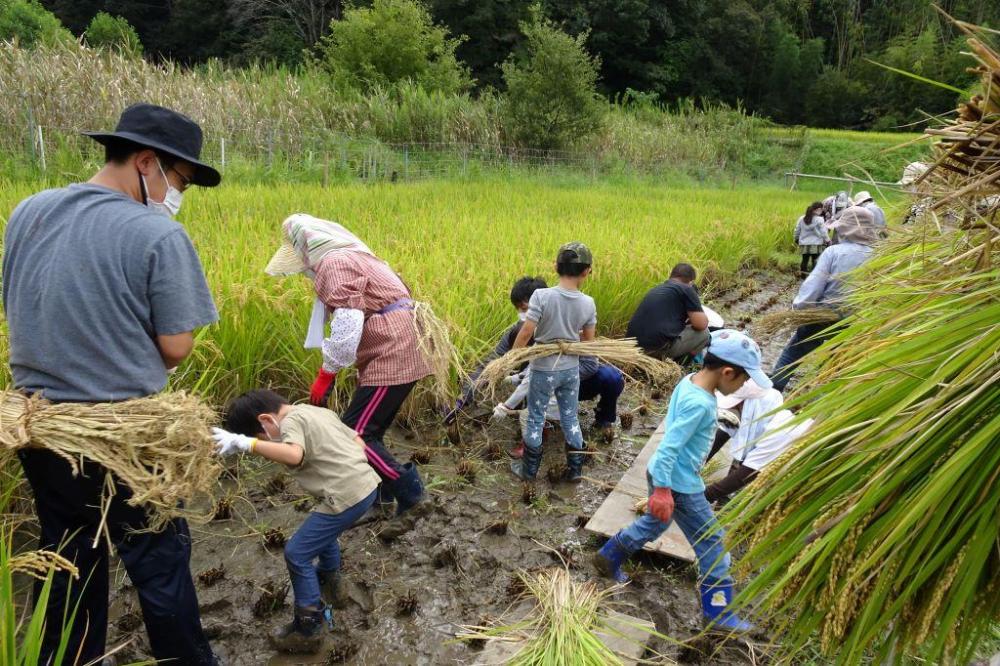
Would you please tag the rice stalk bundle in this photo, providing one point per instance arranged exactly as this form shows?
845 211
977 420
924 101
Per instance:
625 354
160 447
879 531
560 628
775 322
435 345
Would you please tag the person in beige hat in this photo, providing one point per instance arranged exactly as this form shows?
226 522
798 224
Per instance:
865 200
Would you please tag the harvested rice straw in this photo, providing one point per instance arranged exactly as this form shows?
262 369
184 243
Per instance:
560 628
625 354
435 344
160 447
38 564
773 323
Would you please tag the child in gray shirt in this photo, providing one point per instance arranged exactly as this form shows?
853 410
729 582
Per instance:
560 313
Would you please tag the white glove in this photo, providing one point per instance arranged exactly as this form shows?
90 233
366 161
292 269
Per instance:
513 379
228 443
501 412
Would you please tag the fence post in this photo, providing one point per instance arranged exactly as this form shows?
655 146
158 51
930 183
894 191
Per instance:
41 147
222 151
406 162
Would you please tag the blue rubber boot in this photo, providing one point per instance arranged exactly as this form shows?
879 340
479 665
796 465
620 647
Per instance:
408 489
610 558
716 596
574 466
526 468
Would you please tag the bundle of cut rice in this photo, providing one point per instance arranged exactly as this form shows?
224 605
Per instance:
160 447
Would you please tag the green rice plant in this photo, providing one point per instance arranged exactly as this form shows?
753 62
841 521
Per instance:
879 531
21 631
459 246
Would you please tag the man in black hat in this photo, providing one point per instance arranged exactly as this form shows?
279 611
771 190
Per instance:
102 292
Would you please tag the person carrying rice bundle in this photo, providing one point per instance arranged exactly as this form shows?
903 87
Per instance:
857 232
102 290
371 326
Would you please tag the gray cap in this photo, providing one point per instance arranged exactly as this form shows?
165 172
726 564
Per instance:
575 253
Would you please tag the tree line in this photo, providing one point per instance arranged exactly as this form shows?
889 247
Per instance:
813 62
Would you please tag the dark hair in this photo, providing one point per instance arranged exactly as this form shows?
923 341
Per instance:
119 150
684 272
713 362
571 270
808 217
242 413
524 287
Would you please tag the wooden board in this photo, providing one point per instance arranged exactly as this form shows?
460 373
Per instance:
618 509
628 641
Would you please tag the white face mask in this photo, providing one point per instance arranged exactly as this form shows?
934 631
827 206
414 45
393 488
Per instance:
171 204
523 316
749 391
271 437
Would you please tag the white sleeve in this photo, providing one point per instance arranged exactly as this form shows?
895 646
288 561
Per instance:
520 393
341 348
773 444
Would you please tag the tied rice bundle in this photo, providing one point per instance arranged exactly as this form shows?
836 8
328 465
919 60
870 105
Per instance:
625 354
878 532
775 322
160 447
562 626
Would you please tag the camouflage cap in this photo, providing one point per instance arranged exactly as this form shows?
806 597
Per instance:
574 253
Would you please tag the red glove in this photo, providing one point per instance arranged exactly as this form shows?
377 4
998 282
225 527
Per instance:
322 386
661 504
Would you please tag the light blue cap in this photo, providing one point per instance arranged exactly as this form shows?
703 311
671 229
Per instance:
739 349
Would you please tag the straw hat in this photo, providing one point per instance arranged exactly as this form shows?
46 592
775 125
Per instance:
862 197
286 261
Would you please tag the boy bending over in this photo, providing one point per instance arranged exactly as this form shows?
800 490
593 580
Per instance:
328 460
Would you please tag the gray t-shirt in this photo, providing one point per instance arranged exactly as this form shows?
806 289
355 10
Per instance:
90 278
560 314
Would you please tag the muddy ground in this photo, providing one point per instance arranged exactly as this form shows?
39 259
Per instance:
459 565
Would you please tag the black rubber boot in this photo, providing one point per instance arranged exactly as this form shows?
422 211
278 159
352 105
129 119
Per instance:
526 468
574 466
303 635
332 589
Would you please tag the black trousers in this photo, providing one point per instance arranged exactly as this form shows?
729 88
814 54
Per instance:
804 267
158 564
370 413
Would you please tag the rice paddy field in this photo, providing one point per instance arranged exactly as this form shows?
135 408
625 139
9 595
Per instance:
459 245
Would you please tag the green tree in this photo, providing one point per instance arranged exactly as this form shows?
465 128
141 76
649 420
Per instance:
113 33
391 42
836 100
552 88
30 24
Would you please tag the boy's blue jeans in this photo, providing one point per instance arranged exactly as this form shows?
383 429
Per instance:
315 540
608 383
565 385
693 514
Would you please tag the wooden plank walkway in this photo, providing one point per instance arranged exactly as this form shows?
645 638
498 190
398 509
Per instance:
627 640
618 509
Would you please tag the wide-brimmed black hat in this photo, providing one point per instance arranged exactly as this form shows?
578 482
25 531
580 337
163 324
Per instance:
160 128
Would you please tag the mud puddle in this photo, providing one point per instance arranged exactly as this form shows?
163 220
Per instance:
458 566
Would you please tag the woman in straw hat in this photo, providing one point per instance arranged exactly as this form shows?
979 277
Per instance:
371 327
